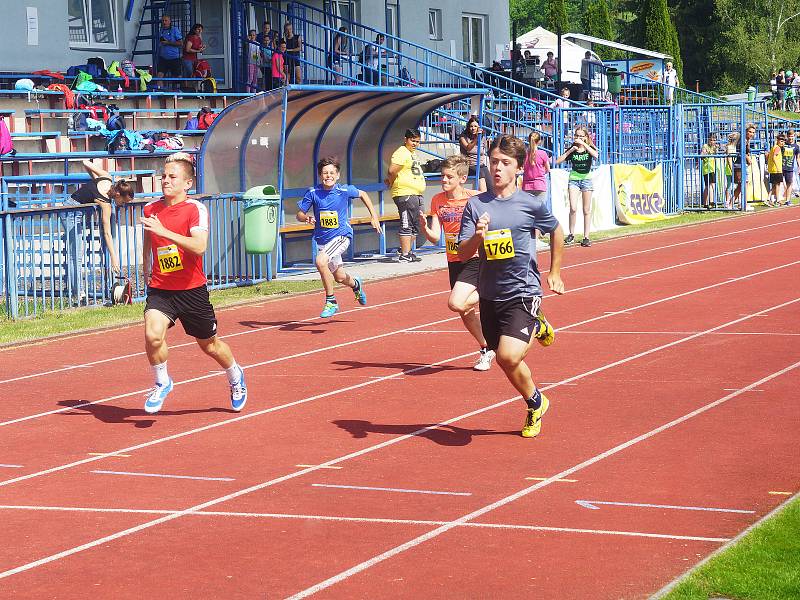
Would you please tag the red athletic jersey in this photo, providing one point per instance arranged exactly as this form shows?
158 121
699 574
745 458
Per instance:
449 214
173 267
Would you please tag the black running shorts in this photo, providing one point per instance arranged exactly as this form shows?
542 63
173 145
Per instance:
513 318
191 307
464 271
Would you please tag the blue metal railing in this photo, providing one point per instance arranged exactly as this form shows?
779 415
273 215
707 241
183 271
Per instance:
53 258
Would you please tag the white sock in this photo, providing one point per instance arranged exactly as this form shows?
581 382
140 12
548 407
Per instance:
233 373
160 371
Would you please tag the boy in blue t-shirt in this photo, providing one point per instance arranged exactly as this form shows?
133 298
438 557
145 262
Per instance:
329 202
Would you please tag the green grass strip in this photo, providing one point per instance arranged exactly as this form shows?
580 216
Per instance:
763 565
51 323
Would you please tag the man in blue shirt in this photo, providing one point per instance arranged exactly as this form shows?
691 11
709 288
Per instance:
326 207
170 49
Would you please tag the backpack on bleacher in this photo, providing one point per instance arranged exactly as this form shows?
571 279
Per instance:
77 122
205 117
128 67
6 143
117 142
115 120
100 64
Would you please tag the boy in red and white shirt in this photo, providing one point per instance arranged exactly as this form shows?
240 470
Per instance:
446 209
176 235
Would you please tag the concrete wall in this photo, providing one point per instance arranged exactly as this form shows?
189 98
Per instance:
53 51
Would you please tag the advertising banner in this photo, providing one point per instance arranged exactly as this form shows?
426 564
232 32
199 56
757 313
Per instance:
639 194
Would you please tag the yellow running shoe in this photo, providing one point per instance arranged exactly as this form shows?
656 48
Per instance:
545 334
533 421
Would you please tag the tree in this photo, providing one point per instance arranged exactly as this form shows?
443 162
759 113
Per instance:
598 24
527 14
557 17
658 32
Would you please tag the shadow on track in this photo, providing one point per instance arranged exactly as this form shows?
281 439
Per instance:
292 325
108 413
444 435
407 367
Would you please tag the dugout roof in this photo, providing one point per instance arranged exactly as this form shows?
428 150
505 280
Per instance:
277 137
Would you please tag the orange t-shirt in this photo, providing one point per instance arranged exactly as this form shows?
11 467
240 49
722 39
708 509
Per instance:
449 213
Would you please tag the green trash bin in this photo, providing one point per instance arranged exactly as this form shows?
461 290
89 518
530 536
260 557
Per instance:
751 93
261 206
614 79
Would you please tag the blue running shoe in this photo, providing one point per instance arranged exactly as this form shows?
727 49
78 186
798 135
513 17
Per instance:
239 393
330 309
156 397
361 295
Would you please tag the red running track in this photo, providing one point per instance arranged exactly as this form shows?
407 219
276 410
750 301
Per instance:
372 462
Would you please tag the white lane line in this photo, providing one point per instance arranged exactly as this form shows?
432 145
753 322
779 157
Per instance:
557 481
439 331
371 307
592 505
320 466
780 493
217 374
282 358
673 332
397 440
524 492
11 466
162 475
243 417
377 520
115 455
310 321
387 489
398 375
735 389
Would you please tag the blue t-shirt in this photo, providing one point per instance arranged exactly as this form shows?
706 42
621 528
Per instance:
173 34
330 210
508 266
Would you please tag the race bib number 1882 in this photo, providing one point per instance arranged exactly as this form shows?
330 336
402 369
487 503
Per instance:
498 244
168 259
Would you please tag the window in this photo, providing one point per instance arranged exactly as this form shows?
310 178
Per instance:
392 26
92 23
347 11
435 23
472 34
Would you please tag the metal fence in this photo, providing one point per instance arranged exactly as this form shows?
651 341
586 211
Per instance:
54 257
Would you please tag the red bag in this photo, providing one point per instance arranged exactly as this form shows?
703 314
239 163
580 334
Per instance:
204 119
69 97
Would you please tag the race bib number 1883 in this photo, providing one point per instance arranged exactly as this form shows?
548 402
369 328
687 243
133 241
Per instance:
498 244
329 219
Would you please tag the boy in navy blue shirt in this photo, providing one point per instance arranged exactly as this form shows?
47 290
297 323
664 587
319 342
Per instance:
326 206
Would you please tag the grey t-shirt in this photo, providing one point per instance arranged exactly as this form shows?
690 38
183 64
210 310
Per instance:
508 266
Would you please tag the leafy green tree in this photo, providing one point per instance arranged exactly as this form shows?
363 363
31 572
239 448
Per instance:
557 20
598 24
658 32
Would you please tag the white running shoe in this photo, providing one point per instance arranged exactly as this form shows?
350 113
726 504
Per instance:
484 361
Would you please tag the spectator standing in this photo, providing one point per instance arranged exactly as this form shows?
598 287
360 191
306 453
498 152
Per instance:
775 169
563 102
254 56
670 79
749 134
294 49
280 73
790 153
268 40
192 48
468 142
580 156
170 49
550 67
586 74
709 170
780 82
340 48
773 88
407 184
733 161
373 54
536 169
101 191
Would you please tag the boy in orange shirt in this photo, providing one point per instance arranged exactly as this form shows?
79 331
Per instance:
446 208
